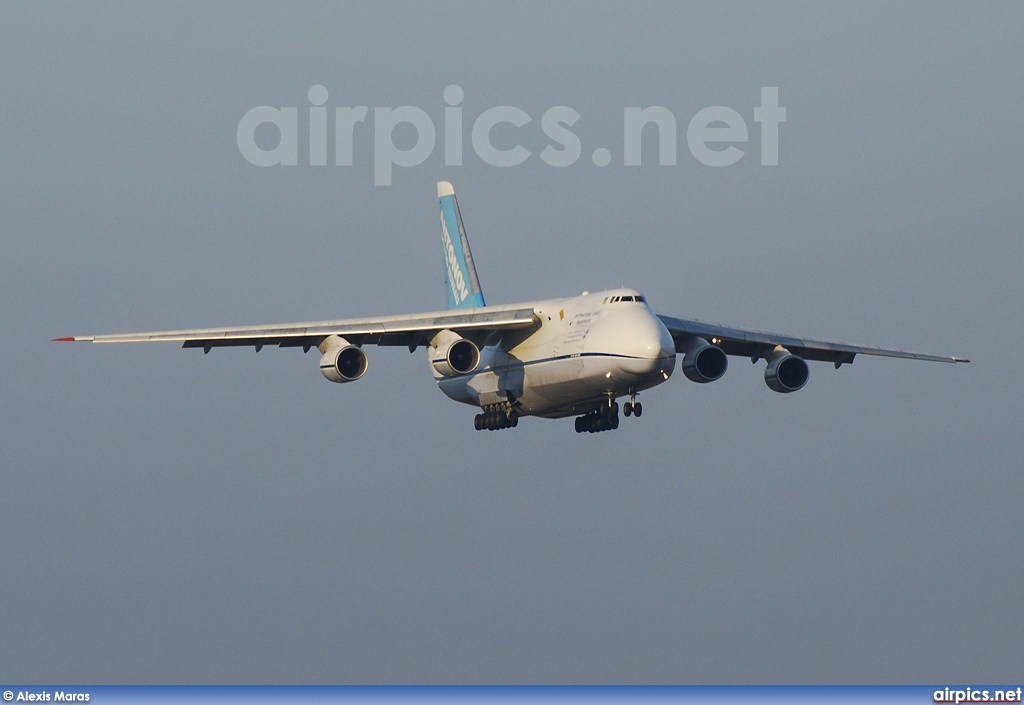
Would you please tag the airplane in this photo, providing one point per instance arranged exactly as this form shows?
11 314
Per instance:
552 359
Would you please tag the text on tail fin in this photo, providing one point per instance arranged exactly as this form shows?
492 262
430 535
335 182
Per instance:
462 287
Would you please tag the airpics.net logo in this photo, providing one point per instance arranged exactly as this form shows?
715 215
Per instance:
712 134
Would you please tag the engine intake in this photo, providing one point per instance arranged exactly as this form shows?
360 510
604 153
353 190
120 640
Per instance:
786 372
704 362
452 355
341 361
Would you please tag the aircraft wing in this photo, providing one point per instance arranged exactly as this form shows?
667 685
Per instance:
407 330
758 344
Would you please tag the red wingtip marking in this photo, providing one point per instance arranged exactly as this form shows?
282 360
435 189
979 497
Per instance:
62 340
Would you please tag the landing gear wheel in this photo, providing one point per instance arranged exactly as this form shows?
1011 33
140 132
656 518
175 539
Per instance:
637 410
627 408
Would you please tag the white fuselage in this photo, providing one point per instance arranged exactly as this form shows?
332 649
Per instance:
584 350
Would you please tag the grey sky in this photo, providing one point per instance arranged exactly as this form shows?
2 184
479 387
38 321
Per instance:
167 516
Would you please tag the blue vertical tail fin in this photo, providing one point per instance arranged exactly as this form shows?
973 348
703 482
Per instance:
461 284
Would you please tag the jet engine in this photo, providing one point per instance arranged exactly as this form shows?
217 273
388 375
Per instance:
452 355
785 372
704 362
341 361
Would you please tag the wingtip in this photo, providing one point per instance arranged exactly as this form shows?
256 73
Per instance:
445 188
62 340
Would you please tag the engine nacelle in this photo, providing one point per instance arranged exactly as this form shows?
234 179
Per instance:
452 355
786 372
704 362
341 361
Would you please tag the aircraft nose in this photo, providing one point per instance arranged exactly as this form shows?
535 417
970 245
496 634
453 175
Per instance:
647 337
640 343
646 343
658 343
650 347
654 342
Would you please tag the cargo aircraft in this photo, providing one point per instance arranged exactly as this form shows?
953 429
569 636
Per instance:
556 358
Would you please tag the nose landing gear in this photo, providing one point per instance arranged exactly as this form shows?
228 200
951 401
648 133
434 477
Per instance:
632 406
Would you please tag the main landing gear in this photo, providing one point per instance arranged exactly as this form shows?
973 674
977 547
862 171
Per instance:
496 417
606 417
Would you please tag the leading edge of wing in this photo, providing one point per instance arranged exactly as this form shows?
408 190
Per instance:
759 344
381 330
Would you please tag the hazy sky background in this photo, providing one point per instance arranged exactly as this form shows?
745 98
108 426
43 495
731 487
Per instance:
167 516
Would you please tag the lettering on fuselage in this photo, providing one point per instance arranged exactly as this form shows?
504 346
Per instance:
456 280
579 326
